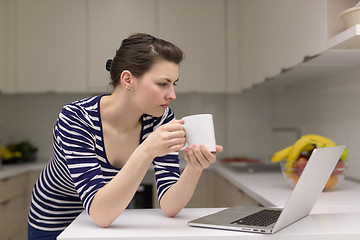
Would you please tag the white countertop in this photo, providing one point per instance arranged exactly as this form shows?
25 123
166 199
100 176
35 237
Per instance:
153 224
336 215
10 170
271 190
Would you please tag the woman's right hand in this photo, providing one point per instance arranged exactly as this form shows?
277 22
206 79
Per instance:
166 139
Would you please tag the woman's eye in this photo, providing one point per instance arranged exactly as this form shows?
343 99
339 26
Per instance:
166 84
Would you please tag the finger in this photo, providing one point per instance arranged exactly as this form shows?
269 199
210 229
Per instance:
187 157
175 148
219 148
210 157
175 135
181 121
200 157
192 158
173 126
176 141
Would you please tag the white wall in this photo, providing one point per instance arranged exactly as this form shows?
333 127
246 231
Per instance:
329 107
32 117
242 122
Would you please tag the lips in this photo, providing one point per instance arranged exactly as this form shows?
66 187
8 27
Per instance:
164 105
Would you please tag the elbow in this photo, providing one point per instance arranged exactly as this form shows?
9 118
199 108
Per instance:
169 211
170 214
103 223
102 220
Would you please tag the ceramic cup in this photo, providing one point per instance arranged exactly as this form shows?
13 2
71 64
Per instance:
199 129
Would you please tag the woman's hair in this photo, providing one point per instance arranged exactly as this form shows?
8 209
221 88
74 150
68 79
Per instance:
138 53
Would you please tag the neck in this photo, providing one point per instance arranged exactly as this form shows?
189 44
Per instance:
117 110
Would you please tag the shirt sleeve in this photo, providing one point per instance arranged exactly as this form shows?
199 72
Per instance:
76 140
167 171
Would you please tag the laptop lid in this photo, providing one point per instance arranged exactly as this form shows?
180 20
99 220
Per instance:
310 185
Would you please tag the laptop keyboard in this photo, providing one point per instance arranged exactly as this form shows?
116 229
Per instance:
262 218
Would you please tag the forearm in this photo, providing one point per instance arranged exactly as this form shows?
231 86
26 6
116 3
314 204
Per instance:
181 192
112 199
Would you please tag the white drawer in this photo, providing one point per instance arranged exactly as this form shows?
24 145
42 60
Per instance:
12 217
11 187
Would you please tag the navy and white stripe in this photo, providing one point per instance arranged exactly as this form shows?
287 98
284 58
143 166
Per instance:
79 167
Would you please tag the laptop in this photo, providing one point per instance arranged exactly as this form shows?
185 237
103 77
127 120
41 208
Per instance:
302 199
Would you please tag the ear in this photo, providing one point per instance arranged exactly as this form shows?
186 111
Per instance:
126 79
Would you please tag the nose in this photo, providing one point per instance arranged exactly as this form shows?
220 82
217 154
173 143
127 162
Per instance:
171 94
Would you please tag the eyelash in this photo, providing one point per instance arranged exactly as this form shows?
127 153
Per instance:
165 84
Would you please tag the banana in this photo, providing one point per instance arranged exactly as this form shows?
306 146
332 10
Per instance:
345 154
305 143
301 145
282 154
320 140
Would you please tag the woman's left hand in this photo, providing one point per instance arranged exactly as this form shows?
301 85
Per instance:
199 157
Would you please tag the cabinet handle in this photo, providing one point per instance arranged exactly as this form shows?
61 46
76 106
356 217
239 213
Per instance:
4 203
6 179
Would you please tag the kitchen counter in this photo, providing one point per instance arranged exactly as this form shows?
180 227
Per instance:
152 224
336 215
11 170
271 190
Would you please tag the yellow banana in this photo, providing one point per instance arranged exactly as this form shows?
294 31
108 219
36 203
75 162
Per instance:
301 145
345 154
321 140
305 143
282 154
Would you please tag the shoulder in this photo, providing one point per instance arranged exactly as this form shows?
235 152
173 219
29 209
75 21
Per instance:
84 111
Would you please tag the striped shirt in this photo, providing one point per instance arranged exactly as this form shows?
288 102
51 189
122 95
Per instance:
79 167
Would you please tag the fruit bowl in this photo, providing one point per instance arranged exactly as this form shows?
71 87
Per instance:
292 174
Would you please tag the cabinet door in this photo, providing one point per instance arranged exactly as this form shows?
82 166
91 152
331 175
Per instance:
273 35
197 27
109 23
4 46
227 195
50 46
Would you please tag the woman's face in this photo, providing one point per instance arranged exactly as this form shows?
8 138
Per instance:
155 89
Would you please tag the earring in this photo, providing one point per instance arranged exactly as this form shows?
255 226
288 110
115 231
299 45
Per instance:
129 88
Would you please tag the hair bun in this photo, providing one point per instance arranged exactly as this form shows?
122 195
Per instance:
108 64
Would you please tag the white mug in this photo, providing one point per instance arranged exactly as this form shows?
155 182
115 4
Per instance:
199 129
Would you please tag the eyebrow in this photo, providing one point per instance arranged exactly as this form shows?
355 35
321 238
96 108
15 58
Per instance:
169 80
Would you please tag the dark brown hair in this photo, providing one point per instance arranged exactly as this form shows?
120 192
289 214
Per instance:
138 53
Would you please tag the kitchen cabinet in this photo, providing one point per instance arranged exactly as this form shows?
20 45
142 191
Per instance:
227 195
50 46
12 206
312 45
270 36
213 190
4 51
109 23
204 192
197 27
15 194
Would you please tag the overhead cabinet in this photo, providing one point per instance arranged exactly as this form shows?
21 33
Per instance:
198 27
319 55
230 45
267 36
109 22
50 49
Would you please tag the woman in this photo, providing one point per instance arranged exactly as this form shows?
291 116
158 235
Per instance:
104 145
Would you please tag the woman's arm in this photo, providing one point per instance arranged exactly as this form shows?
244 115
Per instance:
198 158
112 199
